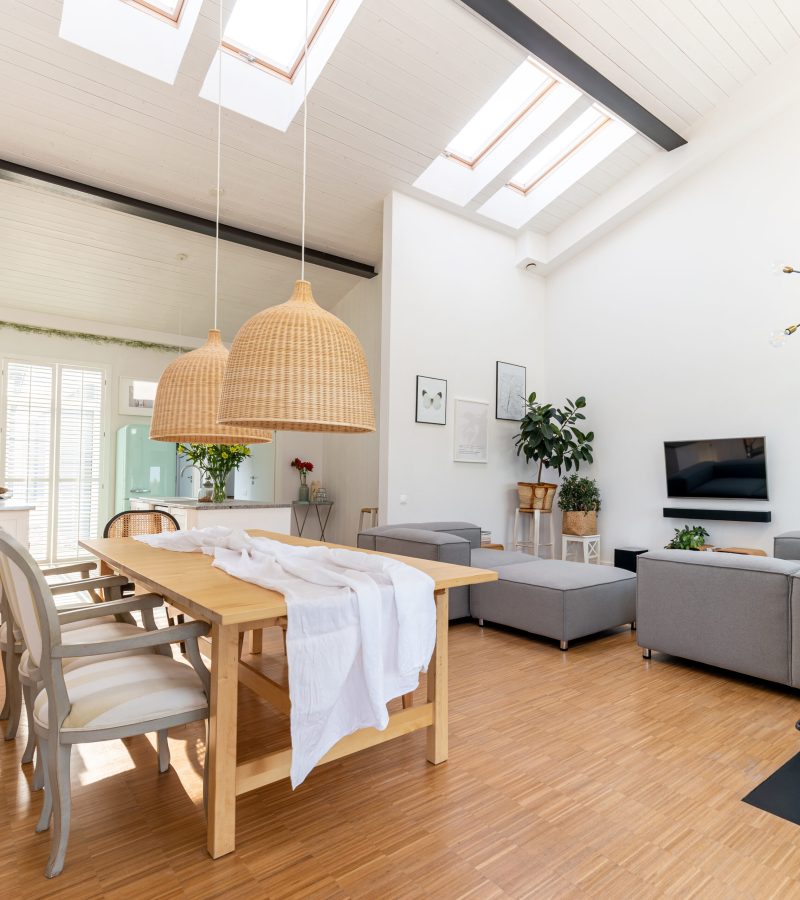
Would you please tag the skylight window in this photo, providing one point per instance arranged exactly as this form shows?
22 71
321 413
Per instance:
558 151
576 150
150 36
271 33
528 102
504 109
263 55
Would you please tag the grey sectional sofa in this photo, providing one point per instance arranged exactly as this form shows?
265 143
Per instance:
559 600
736 612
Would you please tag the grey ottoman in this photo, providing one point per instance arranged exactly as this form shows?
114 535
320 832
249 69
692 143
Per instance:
557 599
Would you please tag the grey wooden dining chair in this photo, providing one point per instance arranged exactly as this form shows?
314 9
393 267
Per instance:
12 644
11 649
112 696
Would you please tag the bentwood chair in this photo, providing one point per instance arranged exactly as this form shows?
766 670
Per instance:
140 521
112 695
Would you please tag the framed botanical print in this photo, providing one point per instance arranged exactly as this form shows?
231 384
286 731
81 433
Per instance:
471 431
510 396
431 400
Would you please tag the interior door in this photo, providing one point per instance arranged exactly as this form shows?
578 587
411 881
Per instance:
255 477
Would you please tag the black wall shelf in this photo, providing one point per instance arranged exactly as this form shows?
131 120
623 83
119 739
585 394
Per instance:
725 515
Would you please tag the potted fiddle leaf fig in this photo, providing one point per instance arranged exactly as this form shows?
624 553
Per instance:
550 436
579 500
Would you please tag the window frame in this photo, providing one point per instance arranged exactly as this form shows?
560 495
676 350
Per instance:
507 128
251 57
57 364
173 19
592 132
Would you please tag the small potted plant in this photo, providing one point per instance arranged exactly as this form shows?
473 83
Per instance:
216 461
303 468
690 537
579 499
551 437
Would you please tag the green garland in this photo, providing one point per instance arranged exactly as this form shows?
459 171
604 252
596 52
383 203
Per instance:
94 338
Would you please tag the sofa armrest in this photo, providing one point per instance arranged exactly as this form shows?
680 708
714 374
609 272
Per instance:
418 543
787 545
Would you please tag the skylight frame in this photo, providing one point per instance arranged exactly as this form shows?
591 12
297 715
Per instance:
252 58
591 132
173 19
510 126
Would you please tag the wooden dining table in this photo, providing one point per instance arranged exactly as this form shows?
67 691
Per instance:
189 582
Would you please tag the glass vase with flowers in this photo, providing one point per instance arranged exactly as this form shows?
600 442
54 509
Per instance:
216 461
303 468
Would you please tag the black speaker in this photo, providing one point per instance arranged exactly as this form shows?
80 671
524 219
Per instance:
625 557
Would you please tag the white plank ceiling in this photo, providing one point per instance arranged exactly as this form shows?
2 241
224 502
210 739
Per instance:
407 75
64 257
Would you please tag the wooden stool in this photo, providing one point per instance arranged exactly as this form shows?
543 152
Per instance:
589 542
372 512
534 541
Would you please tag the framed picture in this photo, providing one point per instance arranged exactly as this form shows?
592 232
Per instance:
136 397
431 400
471 441
511 391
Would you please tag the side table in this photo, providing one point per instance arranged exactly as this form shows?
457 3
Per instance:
590 544
306 505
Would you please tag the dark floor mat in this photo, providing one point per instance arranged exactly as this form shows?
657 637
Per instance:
780 793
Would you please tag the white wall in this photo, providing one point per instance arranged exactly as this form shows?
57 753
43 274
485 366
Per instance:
663 324
351 460
453 304
119 361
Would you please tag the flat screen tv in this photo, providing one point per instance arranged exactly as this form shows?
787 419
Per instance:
729 468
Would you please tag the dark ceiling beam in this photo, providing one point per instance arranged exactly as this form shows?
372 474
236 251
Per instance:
509 19
65 187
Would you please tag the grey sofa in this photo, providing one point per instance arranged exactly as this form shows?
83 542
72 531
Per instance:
736 612
560 600
451 542
787 545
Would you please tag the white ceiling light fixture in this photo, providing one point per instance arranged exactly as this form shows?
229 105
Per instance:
296 367
187 398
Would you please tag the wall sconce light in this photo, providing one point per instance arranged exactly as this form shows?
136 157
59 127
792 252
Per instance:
778 338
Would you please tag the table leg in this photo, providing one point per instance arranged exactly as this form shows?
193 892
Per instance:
222 740
536 527
437 684
257 640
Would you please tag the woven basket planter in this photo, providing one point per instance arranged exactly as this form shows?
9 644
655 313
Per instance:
579 523
536 496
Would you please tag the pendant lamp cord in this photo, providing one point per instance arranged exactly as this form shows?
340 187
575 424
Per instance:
305 151
219 168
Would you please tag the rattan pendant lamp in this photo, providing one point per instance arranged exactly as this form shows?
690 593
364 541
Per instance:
187 398
296 367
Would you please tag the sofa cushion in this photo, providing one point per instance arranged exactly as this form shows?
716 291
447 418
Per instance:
562 575
493 559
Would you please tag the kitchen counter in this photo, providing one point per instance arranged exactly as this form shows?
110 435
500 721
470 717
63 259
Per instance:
192 503
191 513
14 506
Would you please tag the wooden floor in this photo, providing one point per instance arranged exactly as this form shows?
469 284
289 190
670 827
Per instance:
587 773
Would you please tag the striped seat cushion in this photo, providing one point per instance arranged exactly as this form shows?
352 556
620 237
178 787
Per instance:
127 690
106 629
